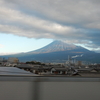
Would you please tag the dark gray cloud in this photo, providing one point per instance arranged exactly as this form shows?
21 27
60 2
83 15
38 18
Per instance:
74 21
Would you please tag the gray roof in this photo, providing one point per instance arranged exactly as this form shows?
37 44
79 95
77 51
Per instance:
24 66
60 69
14 71
85 69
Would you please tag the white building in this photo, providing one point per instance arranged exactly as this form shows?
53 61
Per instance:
13 60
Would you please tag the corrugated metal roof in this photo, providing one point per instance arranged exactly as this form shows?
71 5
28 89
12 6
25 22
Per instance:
14 71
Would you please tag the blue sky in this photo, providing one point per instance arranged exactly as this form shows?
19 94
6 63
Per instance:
27 25
16 44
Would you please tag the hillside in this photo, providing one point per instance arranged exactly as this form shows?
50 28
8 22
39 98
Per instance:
57 46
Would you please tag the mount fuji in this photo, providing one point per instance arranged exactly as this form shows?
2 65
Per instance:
58 51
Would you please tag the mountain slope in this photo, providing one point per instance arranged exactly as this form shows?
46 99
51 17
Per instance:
58 46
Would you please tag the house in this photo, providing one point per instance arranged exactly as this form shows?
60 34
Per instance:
97 69
41 69
59 71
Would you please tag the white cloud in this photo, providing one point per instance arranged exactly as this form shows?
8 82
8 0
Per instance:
74 21
1 46
7 53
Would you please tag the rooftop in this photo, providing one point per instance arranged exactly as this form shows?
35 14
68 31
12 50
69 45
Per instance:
14 71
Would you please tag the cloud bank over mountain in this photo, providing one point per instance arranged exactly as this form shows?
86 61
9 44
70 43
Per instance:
74 21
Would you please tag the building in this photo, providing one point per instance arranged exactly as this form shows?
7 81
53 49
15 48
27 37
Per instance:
59 71
1 59
13 60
